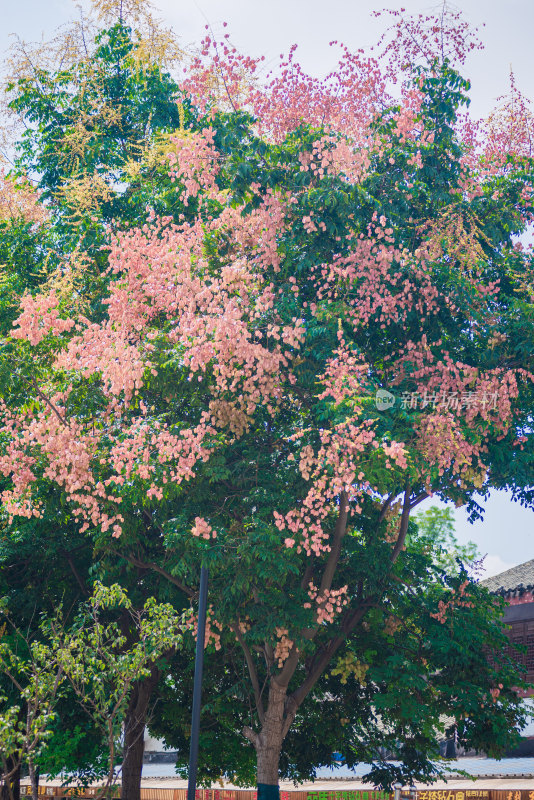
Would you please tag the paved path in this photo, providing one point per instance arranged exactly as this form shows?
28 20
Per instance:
509 773
477 767
346 785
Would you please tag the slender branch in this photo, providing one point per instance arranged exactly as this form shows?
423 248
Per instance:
308 574
269 655
251 671
152 521
83 587
49 403
352 619
333 558
156 568
12 678
419 499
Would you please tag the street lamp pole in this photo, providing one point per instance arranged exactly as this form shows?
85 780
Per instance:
197 685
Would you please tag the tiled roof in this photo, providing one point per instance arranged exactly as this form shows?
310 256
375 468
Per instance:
521 576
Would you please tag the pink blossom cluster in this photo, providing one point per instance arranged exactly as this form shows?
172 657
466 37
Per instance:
283 646
107 350
339 155
213 629
152 453
39 317
69 452
20 201
345 377
397 452
443 438
194 163
459 599
221 324
339 466
329 602
378 281
203 529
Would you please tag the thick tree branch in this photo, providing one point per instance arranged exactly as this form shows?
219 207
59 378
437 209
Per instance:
288 670
251 735
251 671
385 507
403 528
323 658
335 548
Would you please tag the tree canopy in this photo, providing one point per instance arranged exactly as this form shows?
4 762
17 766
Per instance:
297 311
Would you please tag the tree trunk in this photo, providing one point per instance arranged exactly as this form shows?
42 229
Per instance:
11 791
34 779
134 729
269 743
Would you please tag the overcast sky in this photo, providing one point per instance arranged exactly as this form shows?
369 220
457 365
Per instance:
269 28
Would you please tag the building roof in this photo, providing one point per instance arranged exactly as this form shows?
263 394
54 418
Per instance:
520 577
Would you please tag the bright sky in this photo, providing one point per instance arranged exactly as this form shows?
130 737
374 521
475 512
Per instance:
269 28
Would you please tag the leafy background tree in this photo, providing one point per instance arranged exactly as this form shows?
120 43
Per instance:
437 526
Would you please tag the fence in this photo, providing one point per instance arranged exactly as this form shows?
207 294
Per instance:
334 794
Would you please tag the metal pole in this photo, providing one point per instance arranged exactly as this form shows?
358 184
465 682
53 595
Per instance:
197 685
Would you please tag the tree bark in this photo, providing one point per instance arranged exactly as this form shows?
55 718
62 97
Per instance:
34 779
11 786
268 742
134 729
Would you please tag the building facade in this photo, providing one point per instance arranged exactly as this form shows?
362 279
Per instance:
516 585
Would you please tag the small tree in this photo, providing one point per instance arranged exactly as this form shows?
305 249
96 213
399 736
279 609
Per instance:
104 666
104 661
28 712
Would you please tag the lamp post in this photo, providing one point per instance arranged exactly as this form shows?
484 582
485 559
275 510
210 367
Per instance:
197 685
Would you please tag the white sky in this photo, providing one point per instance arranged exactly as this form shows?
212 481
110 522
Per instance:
269 28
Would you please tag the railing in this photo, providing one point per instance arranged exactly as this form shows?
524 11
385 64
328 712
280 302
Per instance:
157 793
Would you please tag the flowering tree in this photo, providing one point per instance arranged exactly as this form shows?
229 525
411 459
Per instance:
319 336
